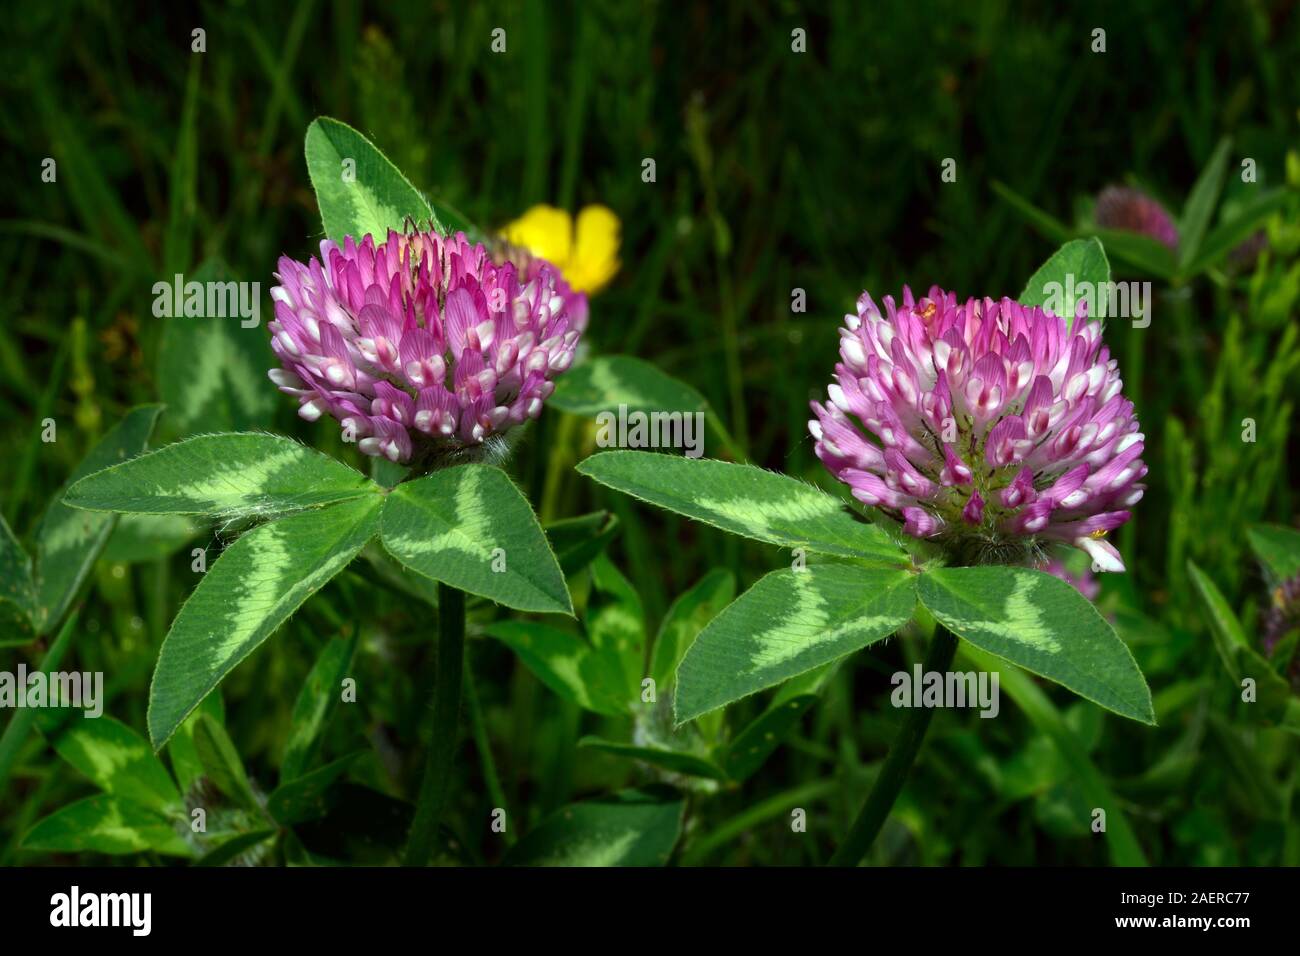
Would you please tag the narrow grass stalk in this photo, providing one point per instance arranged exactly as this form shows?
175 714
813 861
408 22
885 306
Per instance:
559 464
538 125
759 813
446 718
15 734
483 744
27 463
902 754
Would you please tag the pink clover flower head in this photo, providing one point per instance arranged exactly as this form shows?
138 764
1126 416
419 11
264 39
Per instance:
990 427
1131 210
420 345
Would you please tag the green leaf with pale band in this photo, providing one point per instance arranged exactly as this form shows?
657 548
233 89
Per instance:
687 616
106 824
227 390
570 666
614 620
1077 267
253 588
744 500
470 527
140 538
629 828
118 760
1039 622
608 381
68 542
232 474
786 624
359 190
17 591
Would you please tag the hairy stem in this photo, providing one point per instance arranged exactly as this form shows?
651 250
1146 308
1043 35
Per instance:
902 754
446 715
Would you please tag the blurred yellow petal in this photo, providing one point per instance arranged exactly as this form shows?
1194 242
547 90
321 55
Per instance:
544 231
595 253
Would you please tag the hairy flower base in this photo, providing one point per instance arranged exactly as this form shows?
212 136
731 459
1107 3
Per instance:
994 427
421 346
430 456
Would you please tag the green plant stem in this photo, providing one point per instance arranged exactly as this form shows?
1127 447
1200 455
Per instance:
1185 332
902 754
446 715
483 743
737 826
558 465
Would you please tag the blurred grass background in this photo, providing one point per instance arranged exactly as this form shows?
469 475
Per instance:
775 171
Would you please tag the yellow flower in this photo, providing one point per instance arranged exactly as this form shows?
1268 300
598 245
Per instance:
587 255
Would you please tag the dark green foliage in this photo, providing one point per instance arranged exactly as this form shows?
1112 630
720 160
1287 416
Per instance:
776 171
